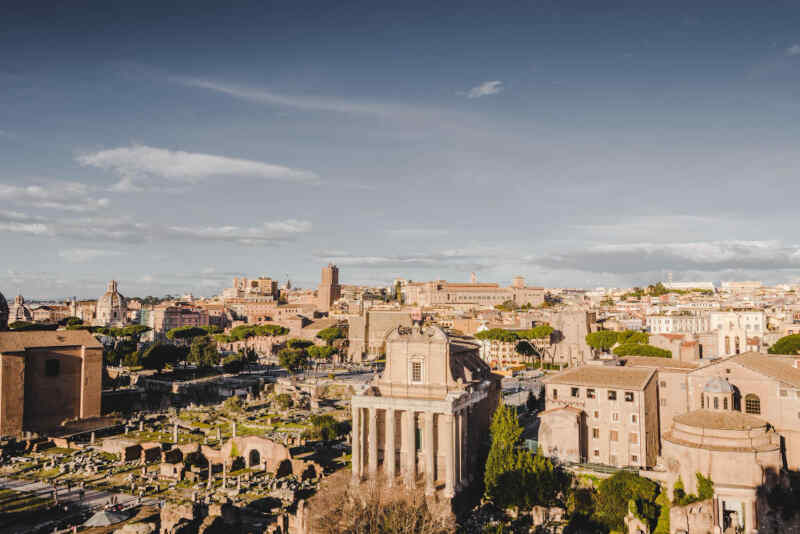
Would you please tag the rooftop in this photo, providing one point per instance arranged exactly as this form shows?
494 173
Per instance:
720 420
777 367
659 363
604 376
21 341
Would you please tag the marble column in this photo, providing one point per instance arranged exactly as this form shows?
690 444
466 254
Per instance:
467 448
389 447
410 467
449 460
457 448
427 446
372 456
356 445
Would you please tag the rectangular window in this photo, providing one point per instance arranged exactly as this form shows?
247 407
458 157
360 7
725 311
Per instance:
416 371
555 393
633 438
596 433
634 418
575 392
615 417
596 414
52 367
663 383
634 459
596 452
612 395
590 393
629 396
418 438
614 435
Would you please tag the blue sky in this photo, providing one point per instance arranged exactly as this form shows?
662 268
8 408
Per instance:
173 147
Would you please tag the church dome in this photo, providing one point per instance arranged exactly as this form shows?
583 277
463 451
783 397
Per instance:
111 306
19 311
717 385
3 313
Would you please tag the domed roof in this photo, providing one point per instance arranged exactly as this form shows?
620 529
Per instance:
717 385
19 311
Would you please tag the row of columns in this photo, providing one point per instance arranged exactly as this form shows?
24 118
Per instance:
455 447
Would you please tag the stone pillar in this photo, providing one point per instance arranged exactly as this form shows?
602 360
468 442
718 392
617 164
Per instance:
467 448
175 433
356 445
430 472
389 447
219 434
141 425
233 429
457 449
449 460
410 467
372 456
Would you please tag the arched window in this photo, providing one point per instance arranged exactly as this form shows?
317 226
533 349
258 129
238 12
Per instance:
702 402
716 403
725 403
737 345
752 404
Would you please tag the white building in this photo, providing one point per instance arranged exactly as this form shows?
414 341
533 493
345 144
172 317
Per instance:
677 324
738 331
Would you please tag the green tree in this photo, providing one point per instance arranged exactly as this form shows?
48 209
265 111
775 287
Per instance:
602 340
786 345
186 333
632 336
498 334
293 360
615 492
324 353
330 334
70 321
502 461
233 363
158 355
525 348
705 487
636 349
131 359
203 352
326 428
662 525
23 326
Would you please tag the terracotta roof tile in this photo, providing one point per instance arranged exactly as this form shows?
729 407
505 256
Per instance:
604 376
20 341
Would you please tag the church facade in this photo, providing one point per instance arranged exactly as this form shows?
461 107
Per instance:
424 419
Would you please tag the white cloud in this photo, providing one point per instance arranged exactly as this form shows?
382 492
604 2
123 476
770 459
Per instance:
24 228
274 231
698 256
310 103
138 164
85 255
65 196
485 89
793 50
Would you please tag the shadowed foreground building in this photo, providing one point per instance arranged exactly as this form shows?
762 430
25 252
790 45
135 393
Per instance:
426 417
47 377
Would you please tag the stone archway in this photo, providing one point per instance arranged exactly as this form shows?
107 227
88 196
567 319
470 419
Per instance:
254 458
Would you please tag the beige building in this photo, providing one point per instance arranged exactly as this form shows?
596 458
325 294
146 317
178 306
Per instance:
471 295
19 311
425 417
329 289
47 377
367 332
601 414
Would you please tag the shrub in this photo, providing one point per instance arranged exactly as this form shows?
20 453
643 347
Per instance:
638 349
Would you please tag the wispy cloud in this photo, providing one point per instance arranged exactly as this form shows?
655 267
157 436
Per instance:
85 255
268 232
485 89
140 165
417 233
65 196
309 103
124 229
793 50
699 256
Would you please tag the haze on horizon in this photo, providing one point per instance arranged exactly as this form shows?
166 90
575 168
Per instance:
172 147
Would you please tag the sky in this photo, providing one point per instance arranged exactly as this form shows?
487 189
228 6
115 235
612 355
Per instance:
175 145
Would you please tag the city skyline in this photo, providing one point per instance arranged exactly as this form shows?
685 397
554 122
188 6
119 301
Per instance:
174 148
